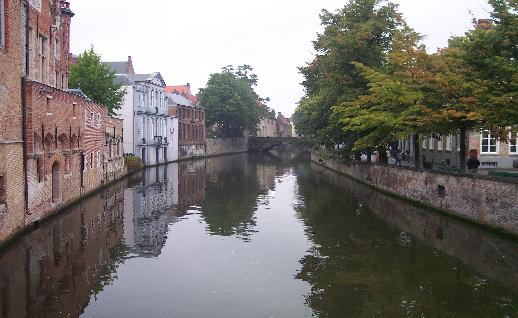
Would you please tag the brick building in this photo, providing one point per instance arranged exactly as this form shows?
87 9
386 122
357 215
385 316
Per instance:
283 126
12 69
191 122
52 139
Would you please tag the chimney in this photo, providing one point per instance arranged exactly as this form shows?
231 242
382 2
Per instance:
189 85
131 70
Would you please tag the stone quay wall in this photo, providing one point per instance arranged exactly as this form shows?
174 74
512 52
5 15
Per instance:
482 200
224 146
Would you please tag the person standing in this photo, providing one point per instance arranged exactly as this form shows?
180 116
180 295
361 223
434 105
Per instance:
473 163
397 156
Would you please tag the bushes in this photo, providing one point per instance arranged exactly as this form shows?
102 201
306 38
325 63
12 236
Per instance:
133 163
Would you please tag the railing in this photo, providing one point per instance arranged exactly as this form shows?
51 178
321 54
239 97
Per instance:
158 140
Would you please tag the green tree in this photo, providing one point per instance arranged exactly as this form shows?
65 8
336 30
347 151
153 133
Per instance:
96 80
231 104
361 32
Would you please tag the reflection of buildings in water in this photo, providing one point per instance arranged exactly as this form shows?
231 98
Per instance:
266 176
191 184
146 208
55 277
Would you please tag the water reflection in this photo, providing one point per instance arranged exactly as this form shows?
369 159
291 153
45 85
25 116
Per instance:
360 267
53 271
255 236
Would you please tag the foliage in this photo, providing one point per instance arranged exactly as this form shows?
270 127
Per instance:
363 92
231 104
96 80
360 32
133 163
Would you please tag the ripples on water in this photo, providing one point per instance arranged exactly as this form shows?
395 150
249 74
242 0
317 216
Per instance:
255 236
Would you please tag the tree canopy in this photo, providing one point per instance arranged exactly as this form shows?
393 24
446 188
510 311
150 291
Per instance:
96 80
361 32
231 104
373 82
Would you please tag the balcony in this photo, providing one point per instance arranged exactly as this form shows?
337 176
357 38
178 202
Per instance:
158 140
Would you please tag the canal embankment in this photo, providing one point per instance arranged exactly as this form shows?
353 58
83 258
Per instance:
482 200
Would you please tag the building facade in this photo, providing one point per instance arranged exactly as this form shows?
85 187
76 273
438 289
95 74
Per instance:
52 138
191 126
12 69
445 150
267 127
283 126
148 128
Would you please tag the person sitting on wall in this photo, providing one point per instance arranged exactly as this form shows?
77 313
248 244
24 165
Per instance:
473 163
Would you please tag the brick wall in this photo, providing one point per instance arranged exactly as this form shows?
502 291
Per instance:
62 128
11 147
482 200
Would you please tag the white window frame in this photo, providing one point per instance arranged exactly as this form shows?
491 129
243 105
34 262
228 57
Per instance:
489 138
43 53
2 24
515 143
449 143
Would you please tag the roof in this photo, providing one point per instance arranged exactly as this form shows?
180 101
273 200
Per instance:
131 79
119 67
184 90
177 99
78 92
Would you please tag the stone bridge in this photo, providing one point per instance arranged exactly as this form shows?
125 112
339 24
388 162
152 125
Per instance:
264 144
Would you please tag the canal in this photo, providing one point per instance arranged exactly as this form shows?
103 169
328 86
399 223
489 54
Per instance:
255 236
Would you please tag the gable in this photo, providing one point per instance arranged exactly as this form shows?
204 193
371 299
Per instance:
157 80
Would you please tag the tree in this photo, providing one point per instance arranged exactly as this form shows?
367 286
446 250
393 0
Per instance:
96 80
231 105
360 32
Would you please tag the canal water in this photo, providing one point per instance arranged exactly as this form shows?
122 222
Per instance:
255 236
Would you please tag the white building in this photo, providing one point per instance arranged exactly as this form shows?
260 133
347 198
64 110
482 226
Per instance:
149 132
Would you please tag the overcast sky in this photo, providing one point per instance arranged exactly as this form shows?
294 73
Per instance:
186 41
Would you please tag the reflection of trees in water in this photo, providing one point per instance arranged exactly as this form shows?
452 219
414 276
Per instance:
231 195
362 267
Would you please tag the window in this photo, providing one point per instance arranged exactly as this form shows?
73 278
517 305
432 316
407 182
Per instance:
2 24
67 163
513 142
488 143
449 143
431 145
2 184
44 59
57 49
39 169
152 99
440 143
